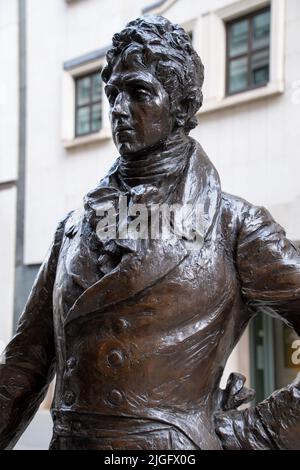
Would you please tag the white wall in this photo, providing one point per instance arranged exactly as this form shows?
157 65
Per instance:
7 265
8 90
8 159
57 178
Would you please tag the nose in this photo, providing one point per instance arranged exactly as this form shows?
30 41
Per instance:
121 105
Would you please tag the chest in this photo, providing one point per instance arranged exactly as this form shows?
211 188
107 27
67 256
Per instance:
193 280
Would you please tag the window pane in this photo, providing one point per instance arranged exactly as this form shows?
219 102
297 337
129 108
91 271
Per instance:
83 90
261 30
96 87
286 354
238 38
96 117
238 75
83 118
260 68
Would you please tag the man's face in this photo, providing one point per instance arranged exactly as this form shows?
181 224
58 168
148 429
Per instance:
139 108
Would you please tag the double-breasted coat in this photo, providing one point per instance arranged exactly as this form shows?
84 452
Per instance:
147 340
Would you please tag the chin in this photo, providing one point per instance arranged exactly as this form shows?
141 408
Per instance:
128 149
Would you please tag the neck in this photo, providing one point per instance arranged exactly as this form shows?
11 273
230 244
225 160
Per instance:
167 159
173 141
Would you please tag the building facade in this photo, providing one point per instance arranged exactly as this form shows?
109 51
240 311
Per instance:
55 141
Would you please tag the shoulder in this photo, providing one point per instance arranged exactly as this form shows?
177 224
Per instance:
247 225
238 207
246 219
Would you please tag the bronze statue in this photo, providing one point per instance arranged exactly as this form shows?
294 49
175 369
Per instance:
138 329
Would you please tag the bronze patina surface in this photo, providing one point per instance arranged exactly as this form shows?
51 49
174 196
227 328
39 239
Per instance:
138 330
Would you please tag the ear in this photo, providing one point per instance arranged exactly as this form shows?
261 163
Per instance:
181 114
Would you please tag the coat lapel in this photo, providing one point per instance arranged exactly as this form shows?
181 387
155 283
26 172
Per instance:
200 192
134 274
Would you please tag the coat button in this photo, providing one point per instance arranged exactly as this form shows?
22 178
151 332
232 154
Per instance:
115 358
77 426
69 397
71 362
115 397
120 325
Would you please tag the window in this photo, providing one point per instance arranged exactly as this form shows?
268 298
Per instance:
85 116
248 52
88 104
275 355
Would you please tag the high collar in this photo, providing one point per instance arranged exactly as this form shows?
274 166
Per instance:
166 160
196 187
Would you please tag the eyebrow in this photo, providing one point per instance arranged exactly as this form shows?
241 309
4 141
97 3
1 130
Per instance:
139 81
130 81
109 87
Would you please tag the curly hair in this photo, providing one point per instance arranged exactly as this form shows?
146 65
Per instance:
155 41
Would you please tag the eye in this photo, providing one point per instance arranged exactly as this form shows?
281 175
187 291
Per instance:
111 96
141 94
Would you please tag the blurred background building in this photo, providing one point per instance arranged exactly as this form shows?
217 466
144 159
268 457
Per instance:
55 141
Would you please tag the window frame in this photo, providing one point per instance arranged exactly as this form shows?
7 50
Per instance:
250 52
89 104
72 69
212 25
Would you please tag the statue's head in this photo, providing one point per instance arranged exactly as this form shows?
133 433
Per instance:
153 82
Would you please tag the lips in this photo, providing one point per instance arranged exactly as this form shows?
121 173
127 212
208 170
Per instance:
119 129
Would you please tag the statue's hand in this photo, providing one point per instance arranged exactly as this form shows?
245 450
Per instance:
242 430
272 424
228 419
235 394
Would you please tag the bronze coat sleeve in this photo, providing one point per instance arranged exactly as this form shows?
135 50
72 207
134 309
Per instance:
268 266
28 363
